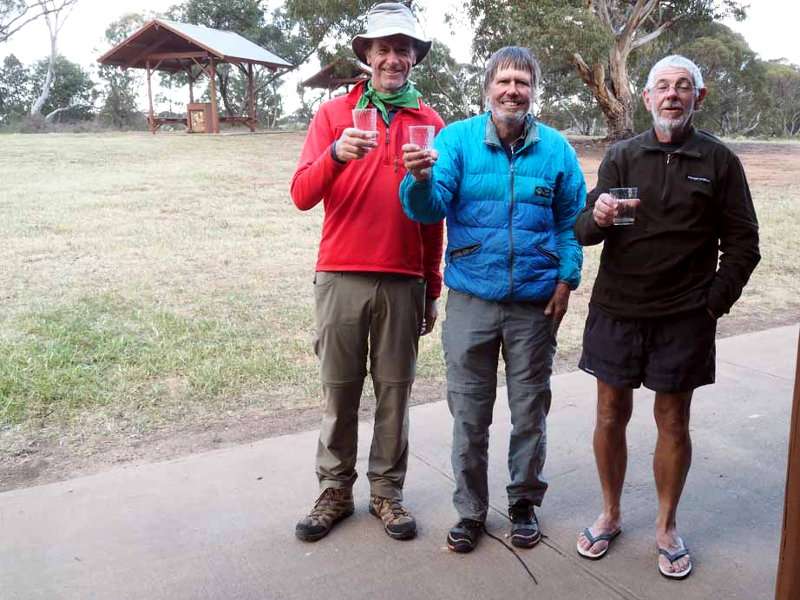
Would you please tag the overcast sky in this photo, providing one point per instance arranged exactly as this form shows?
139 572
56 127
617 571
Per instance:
771 30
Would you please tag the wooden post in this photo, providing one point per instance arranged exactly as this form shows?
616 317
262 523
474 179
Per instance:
151 121
788 581
212 86
251 97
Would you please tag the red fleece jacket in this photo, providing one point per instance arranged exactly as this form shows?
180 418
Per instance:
365 228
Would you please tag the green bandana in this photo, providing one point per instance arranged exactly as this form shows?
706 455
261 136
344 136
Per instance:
407 97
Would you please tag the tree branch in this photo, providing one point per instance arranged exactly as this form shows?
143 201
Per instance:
12 26
649 37
583 69
600 9
49 116
641 10
439 85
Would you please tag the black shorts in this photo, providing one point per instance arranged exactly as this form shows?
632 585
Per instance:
669 354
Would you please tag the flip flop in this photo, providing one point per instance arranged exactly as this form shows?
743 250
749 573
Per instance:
593 539
672 557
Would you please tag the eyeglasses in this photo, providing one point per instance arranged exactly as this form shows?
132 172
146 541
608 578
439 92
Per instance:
682 87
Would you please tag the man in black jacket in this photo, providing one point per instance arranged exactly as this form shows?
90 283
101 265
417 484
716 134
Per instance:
662 284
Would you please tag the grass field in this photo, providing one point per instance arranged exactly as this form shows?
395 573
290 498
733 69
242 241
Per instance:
152 282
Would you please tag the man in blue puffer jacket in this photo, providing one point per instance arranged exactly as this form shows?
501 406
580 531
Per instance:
511 189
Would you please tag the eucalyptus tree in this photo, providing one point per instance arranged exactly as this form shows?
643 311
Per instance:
594 37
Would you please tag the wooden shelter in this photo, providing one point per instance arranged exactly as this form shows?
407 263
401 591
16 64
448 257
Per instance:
340 72
163 45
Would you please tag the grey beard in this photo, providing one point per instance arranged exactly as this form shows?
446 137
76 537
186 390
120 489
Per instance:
517 117
670 126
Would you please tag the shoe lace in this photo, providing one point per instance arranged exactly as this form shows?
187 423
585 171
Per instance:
521 511
326 499
470 524
397 509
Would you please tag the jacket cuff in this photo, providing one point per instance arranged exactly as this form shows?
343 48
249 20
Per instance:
334 157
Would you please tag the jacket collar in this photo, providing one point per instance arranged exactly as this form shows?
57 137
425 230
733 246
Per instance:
531 132
692 145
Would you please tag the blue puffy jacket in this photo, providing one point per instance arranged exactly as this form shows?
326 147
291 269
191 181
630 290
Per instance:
509 220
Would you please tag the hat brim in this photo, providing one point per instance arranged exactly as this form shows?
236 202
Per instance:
362 40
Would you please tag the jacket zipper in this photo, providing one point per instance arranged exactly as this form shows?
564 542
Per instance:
552 256
386 144
511 230
664 186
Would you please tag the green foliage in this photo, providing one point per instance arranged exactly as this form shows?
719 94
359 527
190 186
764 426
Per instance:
783 89
452 89
560 30
72 88
15 90
736 82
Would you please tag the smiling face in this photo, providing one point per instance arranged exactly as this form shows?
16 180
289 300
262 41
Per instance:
672 100
391 59
510 94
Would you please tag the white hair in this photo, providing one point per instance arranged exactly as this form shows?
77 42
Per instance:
679 62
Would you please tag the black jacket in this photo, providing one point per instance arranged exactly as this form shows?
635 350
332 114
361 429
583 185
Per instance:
695 209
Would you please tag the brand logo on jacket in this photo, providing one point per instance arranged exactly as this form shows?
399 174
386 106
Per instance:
700 179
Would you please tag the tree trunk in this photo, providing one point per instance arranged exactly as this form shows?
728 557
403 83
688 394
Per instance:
620 123
36 109
52 12
223 79
614 96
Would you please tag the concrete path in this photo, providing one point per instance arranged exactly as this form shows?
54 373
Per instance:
221 524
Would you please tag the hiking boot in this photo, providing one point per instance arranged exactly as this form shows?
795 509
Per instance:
397 522
464 535
525 531
333 505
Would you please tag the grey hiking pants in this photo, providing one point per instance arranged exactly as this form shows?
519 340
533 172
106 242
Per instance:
359 315
475 332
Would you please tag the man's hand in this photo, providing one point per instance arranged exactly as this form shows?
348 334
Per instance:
430 316
418 162
557 306
605 209
354 144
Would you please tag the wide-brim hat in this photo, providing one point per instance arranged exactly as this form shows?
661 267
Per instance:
386 19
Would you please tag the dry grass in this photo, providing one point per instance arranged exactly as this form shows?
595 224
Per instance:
156 281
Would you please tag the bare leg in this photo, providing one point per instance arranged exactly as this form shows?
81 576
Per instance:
671 463
614 408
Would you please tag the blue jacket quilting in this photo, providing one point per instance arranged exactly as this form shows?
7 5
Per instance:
509 220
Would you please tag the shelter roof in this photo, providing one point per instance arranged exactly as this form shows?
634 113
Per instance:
164 41
338 73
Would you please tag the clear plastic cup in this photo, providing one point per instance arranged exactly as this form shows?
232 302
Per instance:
626 201
421 135
366 119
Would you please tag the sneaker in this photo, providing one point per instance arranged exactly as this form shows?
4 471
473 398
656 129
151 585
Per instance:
397 522
525 531
463 537
333 505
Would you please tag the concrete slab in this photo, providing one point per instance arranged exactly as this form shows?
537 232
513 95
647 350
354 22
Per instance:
220 524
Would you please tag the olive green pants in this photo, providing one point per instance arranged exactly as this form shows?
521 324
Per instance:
359 316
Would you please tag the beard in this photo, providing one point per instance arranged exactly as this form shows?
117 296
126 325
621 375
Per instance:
671 126
499 112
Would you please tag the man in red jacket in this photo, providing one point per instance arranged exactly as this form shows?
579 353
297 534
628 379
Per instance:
377 274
